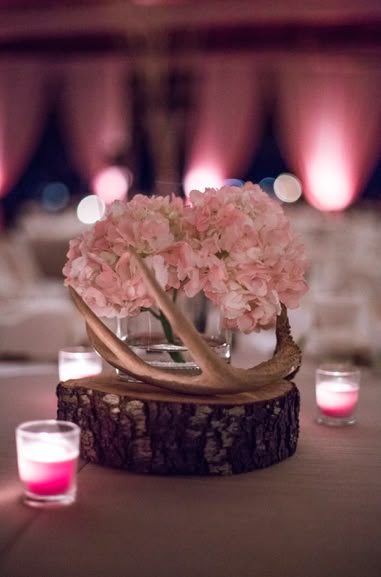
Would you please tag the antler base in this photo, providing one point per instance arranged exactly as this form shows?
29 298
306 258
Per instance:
143 429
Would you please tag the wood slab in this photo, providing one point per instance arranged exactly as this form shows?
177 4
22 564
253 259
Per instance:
144 429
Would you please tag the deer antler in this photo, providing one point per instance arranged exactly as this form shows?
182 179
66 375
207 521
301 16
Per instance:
216 377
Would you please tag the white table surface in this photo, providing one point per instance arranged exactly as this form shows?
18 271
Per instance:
316 514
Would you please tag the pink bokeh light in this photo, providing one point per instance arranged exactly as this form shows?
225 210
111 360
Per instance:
202 177
329 183
111 184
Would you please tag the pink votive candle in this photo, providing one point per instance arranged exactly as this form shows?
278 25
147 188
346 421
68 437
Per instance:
337 399
337 394
47 470
47 455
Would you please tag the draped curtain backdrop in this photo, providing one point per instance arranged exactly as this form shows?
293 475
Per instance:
329 125
95 113
22 112
329 119
227 122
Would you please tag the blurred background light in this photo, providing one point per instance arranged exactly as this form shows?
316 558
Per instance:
267 185
287 188
90 209
201 178
112 183
55 196
329 183
233 182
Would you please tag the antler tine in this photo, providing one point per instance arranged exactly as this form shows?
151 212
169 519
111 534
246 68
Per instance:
118 354
103 350
216 377
202 354
105 340
286 359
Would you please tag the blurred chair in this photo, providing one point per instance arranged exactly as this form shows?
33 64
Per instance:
37 317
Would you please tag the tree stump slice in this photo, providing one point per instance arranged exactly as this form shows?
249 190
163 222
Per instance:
143 429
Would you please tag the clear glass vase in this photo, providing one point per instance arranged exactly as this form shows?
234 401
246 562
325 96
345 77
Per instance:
150 336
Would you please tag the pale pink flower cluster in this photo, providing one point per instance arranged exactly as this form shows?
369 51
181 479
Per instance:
99 266
234 244
244 256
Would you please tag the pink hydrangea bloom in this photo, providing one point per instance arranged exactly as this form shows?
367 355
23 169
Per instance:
246 258
99 266
234 244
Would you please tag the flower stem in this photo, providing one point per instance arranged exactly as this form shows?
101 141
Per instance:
176 356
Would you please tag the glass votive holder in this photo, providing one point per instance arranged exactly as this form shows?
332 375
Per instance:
47 457
337 394
78 362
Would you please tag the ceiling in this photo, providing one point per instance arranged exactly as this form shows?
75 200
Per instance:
48 26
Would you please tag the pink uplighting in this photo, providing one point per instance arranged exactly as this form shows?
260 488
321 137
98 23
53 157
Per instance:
329 184
227 122
329 127
111 184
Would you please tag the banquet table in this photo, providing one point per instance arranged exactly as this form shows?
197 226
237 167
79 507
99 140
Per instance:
314 514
